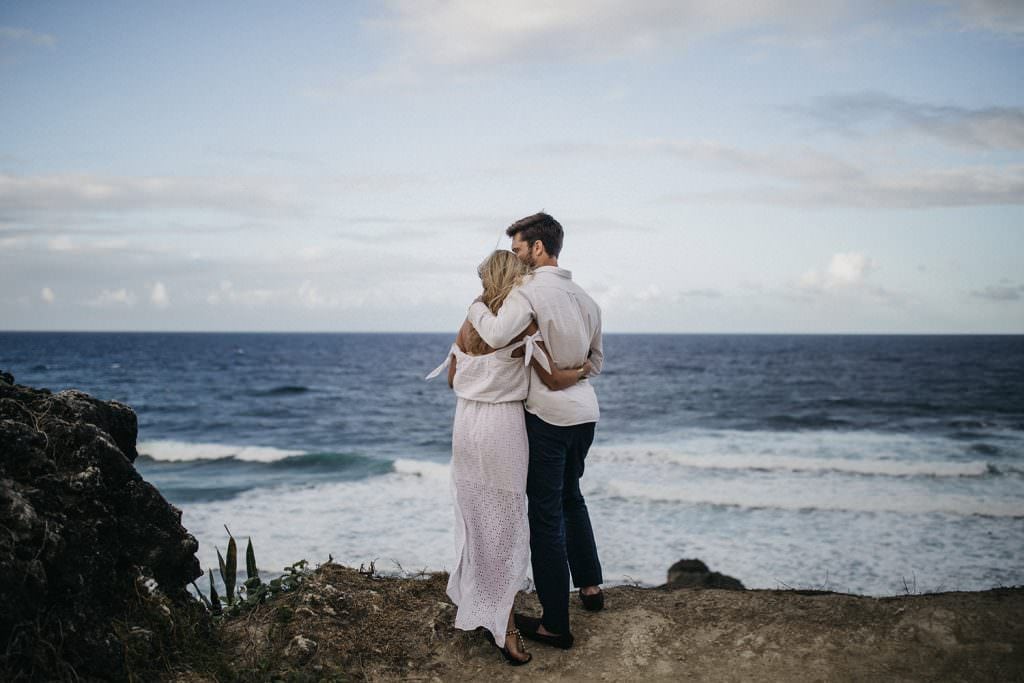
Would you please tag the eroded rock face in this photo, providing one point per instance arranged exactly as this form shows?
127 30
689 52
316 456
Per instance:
78 527
695 574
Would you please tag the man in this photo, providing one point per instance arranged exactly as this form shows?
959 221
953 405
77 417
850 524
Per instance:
559 424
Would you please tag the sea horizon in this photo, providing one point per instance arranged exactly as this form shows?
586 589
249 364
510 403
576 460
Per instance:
607 333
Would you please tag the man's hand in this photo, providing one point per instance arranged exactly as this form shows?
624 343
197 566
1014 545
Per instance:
586 370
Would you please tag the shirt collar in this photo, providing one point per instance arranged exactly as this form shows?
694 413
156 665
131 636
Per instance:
554 270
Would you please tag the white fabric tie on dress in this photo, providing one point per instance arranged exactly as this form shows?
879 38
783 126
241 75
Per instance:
443 366
532 350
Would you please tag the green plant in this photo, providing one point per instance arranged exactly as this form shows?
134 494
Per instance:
250 561
253 590
229 568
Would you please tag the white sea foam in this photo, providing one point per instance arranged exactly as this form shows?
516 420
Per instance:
391 518
793 496
735 499
791 463
178 451
405 517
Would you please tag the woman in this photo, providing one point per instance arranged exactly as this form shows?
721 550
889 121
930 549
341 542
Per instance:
490 454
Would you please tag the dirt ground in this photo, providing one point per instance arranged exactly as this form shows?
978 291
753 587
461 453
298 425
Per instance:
343 625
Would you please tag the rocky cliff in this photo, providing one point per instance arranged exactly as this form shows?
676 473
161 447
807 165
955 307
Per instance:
82 536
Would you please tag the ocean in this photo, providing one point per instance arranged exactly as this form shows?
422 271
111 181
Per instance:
865 464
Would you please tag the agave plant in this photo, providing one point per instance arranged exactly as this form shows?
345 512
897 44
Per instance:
229 568
213 602
253 591
214 599
250 562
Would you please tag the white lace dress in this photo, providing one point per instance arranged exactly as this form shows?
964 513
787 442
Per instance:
490 454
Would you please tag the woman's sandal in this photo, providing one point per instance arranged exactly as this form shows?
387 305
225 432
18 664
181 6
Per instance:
504 650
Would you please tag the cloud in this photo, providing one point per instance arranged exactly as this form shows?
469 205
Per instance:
63 198
13 242
645 297
14 34
984 127
490 228
923 188
110 298
797 164
64 243
806 177
158 295
604 293
47 295
311 253
705 293
256 277
847 270
385 229
226 293
114 193
616 296
998 16
651 292
1000 293
60 243
466 32
311 297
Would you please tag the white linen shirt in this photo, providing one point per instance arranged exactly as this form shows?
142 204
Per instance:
570 323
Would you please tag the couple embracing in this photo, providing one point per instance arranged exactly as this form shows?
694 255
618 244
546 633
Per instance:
535 336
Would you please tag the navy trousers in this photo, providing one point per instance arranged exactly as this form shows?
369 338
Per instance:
561 538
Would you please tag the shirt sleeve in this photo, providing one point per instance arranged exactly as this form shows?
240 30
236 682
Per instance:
596 356
498 330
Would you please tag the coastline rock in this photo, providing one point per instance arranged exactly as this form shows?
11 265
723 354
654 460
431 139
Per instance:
82 532
695 574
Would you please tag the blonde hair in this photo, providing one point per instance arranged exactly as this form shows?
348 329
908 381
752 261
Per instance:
500 273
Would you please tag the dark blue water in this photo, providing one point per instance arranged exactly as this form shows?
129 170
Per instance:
747 449
335 392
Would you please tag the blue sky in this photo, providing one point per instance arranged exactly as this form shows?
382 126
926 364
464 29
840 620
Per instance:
788 167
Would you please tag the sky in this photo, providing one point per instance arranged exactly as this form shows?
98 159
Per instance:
719 167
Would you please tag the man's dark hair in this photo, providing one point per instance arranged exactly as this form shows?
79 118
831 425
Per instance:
539 226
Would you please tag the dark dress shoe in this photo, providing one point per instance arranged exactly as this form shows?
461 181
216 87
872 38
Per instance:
529 625
592 603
